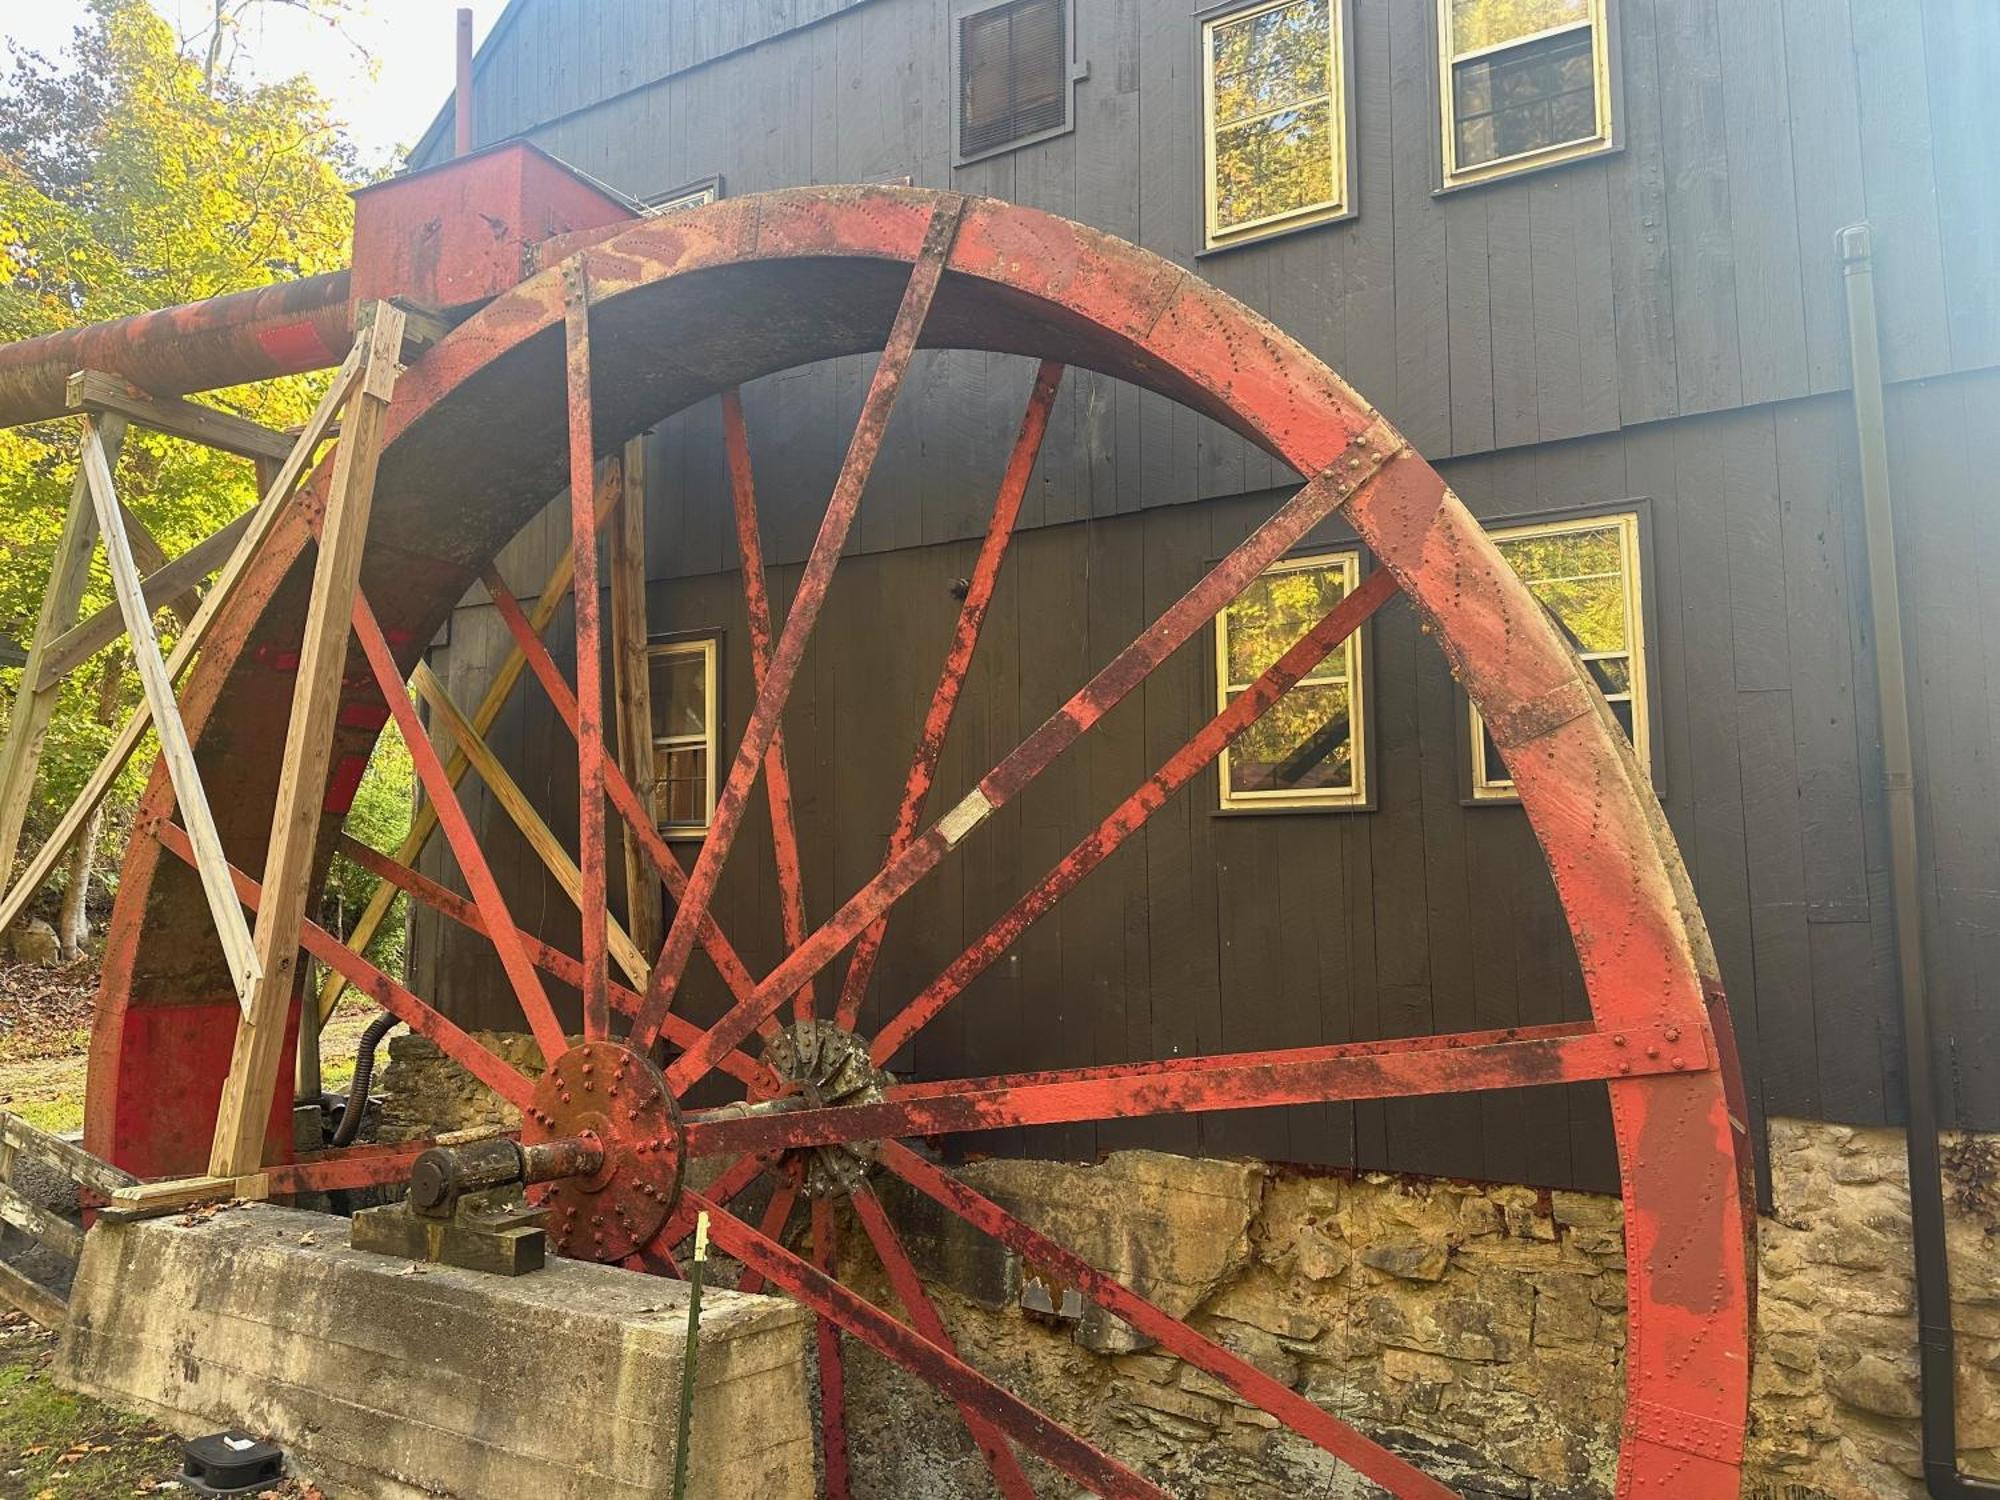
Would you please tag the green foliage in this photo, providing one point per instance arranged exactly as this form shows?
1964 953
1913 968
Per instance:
129 182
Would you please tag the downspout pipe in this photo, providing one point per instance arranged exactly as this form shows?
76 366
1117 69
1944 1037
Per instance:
1937 1361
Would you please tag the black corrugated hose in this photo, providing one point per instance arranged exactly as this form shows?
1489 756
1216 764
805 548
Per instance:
364 1074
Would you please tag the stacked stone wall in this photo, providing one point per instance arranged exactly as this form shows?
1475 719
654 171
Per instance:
1478 1328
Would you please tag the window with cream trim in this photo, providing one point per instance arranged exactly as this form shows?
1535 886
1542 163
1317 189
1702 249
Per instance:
1307 751
682 680
1274 109
1523 83
1585 573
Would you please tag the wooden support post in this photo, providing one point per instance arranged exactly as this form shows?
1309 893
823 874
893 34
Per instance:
36 700
113 761
424 824
210 861
521 812
633 689
245 1108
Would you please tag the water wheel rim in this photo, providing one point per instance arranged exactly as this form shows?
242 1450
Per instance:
754 285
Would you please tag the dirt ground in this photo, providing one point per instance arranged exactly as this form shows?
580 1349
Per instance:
54 1445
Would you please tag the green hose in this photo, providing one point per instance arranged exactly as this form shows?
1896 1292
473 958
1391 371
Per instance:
688 1358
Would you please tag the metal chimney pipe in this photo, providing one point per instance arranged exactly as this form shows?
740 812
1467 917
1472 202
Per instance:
461 104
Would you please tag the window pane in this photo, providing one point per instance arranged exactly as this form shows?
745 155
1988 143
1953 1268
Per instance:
680 787
1274 612
1274 58
1590 611
1613 674
1276 165
1540 556
1013 73
680 696
1488 23
1303 743
1524 99
1492 769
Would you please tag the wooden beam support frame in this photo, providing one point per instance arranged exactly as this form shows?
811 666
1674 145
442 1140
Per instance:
521 812
78 644
252 1083
21 752
16 786
245 967
94 393
554 589
632 689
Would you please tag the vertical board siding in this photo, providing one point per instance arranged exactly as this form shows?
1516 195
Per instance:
1210 932
1657 325
1690 270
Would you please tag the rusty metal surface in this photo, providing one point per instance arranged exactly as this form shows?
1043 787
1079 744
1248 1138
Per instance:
284 329
611 1096
710 299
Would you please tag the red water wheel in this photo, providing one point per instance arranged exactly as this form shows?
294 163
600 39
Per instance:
678 310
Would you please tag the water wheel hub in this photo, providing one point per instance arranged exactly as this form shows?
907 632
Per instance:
609 1092
829 1067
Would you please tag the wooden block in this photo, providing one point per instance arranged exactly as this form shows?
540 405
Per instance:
31 1297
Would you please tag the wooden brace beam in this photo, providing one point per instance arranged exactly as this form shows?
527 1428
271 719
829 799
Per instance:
210 862
93 391
521 812
554 588
247 1094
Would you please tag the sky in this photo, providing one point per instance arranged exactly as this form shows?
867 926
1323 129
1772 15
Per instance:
386 100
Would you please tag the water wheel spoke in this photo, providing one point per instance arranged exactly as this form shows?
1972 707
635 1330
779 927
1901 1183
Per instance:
1369 456
923 1315
1461 1062
807 600
777 1214
590 757
902 1345
545 956
727 1187
1130 815
528 642
488 1067
464 842
827 1357
1360 1453
757 601
957 663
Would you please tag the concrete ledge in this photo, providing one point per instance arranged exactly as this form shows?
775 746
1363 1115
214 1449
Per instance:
384 1382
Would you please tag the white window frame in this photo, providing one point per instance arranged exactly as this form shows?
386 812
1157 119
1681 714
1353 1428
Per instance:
698 194
708 650
1339 65
1604 83
1491 784
1354 797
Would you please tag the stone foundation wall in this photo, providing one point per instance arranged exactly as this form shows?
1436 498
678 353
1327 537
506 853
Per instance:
1479 1329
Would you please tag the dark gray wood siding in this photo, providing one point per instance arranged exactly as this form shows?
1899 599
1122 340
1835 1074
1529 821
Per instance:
1692 271
1662 326
1223 932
